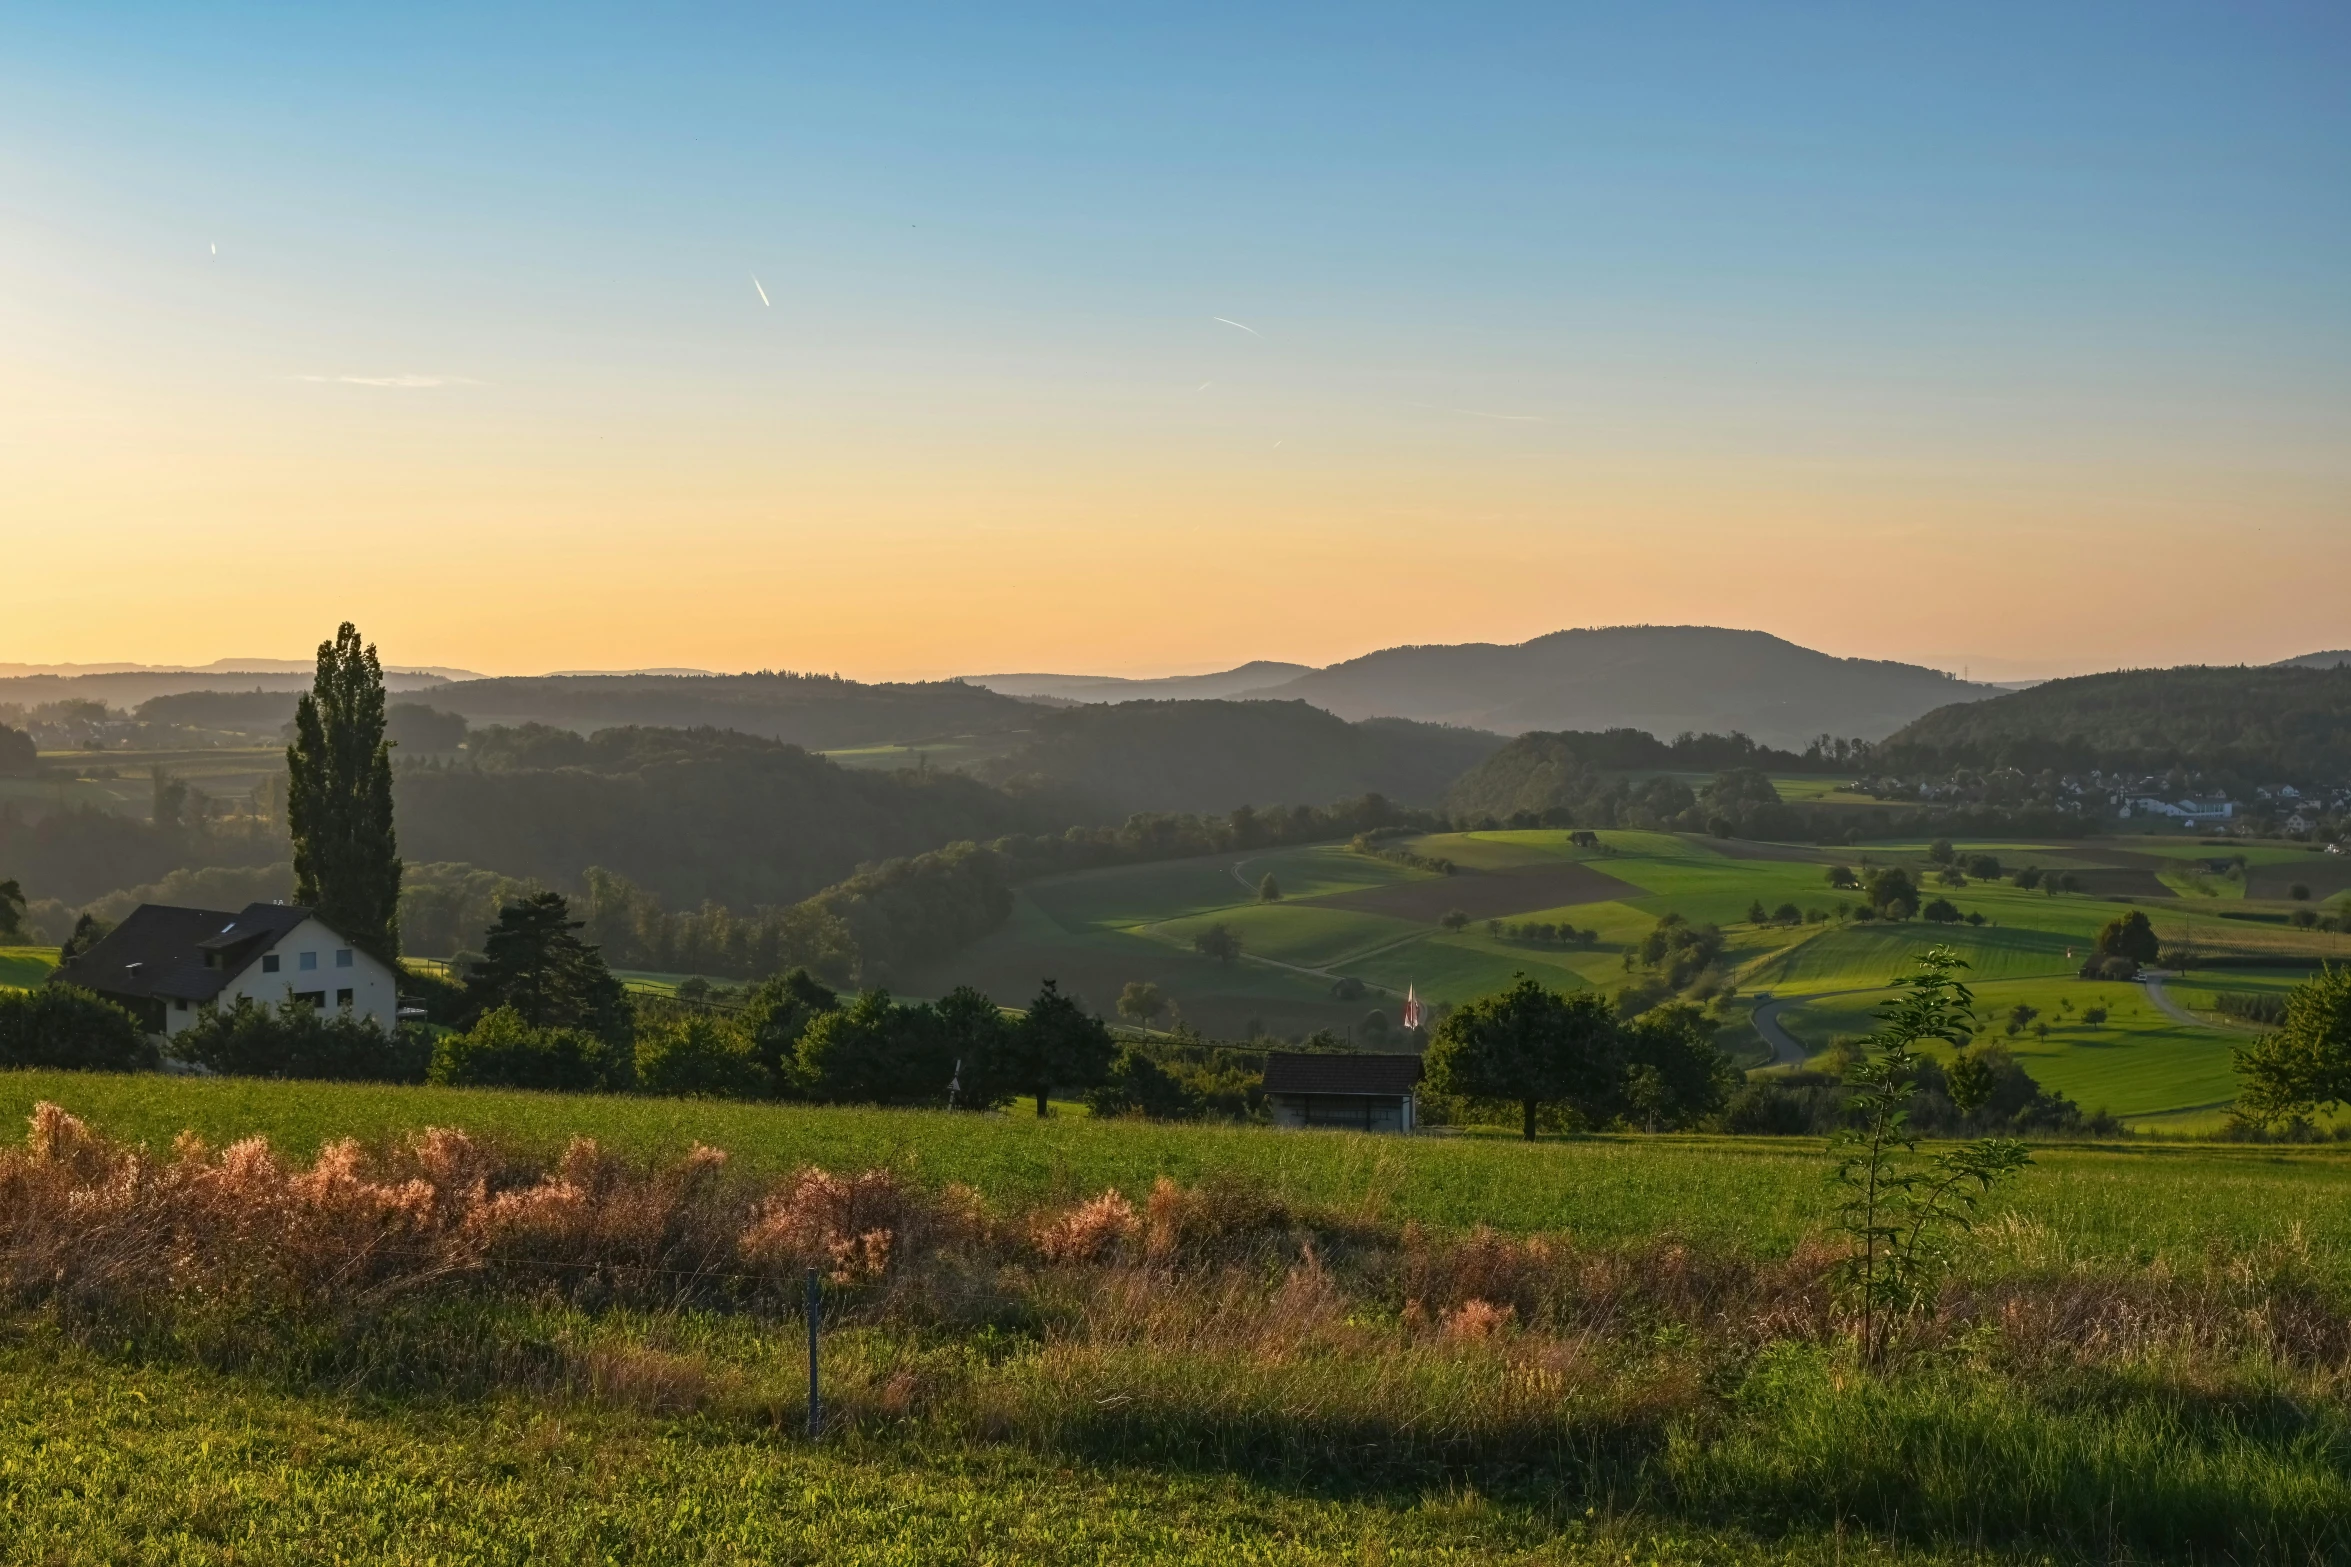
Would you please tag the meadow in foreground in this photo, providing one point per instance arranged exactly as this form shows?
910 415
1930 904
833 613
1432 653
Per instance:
443 1331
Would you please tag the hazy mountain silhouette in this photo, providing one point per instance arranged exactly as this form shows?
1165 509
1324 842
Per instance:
1664 679
2332 660
1116 688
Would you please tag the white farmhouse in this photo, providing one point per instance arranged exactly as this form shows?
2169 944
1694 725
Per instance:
162 965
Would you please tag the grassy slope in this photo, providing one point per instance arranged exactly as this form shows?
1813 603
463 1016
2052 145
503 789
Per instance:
1104 928
1761 1194
23 967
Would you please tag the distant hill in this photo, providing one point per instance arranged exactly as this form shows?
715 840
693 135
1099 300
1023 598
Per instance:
691 814
2335 660
2279 723
1116 688
1213 756
129 687
1664 679
820 712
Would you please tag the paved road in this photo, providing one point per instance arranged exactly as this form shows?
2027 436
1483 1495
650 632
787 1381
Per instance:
2153 983
1786 1048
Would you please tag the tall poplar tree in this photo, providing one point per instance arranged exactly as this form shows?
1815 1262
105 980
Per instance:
339 799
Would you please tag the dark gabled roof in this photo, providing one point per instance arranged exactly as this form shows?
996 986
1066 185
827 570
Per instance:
1305 1072
159 951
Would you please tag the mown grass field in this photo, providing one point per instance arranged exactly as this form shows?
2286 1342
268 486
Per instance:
102 1461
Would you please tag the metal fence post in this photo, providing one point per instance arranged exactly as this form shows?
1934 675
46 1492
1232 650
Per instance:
815 1400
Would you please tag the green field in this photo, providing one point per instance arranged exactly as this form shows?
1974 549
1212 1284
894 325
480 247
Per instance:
23 967
217 770
1758 1195
1372 920
1263 1409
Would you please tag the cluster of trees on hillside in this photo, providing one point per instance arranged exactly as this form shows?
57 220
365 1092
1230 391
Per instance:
1574 1054
2265 725
693 815
893 916
1572 780
821 712
1193 756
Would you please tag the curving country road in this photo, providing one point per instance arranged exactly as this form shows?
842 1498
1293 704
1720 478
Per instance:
2152 983
1786 1048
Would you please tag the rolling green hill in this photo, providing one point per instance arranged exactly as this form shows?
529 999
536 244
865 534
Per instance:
1346 915
1214 755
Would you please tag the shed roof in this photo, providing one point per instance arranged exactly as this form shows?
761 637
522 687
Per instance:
1329 1072
159 950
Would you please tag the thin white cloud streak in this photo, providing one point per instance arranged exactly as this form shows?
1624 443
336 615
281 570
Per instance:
1243 325
400 382
762 291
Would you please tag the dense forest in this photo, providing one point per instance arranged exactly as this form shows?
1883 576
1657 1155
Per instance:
1212 756
821 712
694 815
2278 724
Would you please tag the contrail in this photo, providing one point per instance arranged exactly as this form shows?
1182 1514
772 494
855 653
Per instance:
762 291
1244 326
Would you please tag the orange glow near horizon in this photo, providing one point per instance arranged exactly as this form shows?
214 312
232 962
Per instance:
467 536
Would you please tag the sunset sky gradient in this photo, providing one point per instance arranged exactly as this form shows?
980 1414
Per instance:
2010 335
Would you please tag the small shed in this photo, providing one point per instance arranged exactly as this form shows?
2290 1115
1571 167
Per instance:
1361 1093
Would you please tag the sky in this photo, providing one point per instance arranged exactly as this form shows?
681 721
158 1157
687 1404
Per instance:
904 342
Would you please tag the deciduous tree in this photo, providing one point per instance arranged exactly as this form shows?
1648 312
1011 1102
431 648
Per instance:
1533 1046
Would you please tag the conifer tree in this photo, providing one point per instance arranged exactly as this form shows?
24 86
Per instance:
339 799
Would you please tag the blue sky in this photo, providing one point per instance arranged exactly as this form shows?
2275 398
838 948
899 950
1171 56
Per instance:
1874 288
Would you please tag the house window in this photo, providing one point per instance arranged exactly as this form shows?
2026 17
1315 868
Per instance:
309 962
343 999
312 998
179 1006
342 957
269 964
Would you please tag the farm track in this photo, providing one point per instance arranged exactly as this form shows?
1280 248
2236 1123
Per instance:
1786 1048
2153 985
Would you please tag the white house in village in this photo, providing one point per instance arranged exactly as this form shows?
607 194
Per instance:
164 965
2184 810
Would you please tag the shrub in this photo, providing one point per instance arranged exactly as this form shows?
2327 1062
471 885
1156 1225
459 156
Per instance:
296 1039
62 1026
1139 1085
698 1056
503 1051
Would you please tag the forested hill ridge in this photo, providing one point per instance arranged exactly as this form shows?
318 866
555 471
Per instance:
1663 679
1213 756
2330 660
692 814
2272 724
818 712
